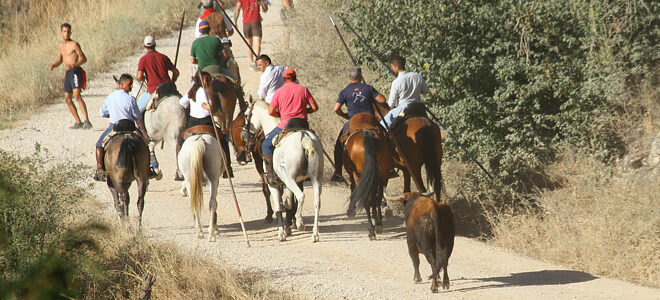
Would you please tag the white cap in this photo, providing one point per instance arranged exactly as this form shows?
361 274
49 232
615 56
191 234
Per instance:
207 3
149 41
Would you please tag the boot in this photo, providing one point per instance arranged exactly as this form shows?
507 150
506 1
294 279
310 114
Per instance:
338 153
270 174
100 168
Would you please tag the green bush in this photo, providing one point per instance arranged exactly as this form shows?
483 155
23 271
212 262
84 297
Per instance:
516 80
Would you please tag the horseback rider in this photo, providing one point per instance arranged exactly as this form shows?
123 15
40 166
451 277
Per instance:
200 113
406 88
205 51
291 101
359 97
270 80
120 106
153 67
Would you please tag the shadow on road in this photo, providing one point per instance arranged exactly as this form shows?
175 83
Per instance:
545 277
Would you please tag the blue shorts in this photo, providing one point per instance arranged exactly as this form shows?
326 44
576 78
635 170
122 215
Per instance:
73 79
267 145
99 143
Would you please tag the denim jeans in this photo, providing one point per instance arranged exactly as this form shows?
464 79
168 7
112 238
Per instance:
391 115
99 143
267 145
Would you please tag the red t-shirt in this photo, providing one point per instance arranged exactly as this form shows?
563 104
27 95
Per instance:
250 11
292 100
155 65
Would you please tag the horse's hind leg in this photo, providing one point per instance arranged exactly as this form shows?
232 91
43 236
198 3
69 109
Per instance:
317 209
370 224
377 209
142 184
277 199
178 176
115 197
213 206
300 196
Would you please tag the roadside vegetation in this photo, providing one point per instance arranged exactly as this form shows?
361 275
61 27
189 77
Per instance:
53 246
559 100
107 30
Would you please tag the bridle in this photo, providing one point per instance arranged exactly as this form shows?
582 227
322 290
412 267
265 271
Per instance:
249 139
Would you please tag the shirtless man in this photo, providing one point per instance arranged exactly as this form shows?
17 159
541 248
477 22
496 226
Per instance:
73 57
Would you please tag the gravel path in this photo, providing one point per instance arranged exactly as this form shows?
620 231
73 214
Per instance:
344 264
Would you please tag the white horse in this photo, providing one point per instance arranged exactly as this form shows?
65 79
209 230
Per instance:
166 123
201 162
299 156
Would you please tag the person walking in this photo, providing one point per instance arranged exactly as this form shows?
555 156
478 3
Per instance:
251 25
358 97
154 67
291 101
73 57
270 80
406 88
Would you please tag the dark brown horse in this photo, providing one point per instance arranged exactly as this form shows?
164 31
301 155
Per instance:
420 141
368 161
127 159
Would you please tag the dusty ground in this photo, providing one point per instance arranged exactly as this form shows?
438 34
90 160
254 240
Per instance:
345 264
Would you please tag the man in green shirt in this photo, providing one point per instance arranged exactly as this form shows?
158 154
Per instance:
205 51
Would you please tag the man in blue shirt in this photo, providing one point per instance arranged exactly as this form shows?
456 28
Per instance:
359 97
119 105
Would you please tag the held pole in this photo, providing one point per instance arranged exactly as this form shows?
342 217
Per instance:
224 155
236 29
178 43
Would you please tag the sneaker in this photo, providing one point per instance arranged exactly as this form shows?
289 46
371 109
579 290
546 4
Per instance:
87 124
76 126
336 178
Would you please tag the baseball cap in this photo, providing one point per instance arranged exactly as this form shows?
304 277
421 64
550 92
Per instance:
149 41
207 3
204 26
288 73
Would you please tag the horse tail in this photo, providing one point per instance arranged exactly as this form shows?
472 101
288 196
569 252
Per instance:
433 157
369 177
308 145
126 153
196 176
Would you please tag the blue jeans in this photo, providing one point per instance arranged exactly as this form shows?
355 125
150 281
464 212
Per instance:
143 101
267 146
99 143
391 115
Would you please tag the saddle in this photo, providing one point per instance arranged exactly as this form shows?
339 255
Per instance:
363 122
121 127
292 126
412 110
164 90
199 129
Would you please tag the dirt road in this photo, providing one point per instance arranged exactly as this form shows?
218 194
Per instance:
344 264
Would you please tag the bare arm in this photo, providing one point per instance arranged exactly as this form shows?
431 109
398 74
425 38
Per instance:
81 56
58 62
140 76
381 99
237 12
264 7
312 107
273 112
175 74
339 112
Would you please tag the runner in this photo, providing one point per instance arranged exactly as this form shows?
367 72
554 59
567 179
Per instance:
251 25
291 101
406 88
153 67
270 80
358 97
74 79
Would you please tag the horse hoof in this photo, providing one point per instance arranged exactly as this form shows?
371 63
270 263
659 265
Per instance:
159 175
301 227
389 212
281 235
379 229
269 219
372 236
200 235
178 177
287 231
316 238
184 191
212 239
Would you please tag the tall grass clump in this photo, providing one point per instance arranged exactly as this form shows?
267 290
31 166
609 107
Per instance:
53 246
107 30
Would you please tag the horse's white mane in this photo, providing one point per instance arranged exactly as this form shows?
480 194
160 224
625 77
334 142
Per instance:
262 104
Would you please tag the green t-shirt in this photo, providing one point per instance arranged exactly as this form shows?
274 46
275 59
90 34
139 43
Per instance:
205 49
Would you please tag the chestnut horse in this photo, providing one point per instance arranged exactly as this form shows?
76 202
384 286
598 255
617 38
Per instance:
127 159
420 141
368 161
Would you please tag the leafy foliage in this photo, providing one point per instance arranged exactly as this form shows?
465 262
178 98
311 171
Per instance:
517 79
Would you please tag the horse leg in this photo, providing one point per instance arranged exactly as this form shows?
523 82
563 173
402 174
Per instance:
142 190
377 209
370 225
317 208
115 197
277 199
292 185
288 199
178 176
258 164
406 181
213 206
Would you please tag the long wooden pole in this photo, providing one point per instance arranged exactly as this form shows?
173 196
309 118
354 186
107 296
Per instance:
236 29
231 184
178 43
387 127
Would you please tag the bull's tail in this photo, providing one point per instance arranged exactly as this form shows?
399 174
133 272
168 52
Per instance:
126 153
196 176
369 178
433 158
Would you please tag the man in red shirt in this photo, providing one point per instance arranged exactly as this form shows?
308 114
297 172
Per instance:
251 25
153 67
291 101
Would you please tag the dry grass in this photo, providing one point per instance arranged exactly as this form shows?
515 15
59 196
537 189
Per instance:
106 30
127 258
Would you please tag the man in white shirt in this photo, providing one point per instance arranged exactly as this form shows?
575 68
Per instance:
271 79
406 88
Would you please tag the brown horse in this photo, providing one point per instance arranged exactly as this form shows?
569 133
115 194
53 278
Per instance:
420 141
368 161
127 159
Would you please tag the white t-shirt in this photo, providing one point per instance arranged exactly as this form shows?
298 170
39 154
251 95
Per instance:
196 109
